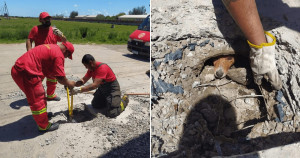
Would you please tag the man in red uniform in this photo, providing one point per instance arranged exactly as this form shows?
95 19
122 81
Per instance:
45 34
108 94
29 71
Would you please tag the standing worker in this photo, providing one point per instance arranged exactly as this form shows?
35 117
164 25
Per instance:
108 94
29 72
45 34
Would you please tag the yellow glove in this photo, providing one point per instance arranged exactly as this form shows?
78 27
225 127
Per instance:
263 63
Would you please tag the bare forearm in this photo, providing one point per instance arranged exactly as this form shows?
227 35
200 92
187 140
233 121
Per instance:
28 44
64 81
245 14
89 87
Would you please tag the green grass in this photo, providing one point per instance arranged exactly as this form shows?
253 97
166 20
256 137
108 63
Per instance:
16 31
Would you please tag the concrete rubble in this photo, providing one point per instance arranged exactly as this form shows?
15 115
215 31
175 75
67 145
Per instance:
196 115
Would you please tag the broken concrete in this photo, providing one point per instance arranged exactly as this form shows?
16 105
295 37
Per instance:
240 75
229 116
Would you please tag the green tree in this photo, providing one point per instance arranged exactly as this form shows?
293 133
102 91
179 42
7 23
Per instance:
138 11
108 17
100 17
120 14
73 14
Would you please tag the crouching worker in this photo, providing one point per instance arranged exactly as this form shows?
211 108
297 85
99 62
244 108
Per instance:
108 94
29 71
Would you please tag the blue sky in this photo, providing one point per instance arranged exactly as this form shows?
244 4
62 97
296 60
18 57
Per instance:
32 8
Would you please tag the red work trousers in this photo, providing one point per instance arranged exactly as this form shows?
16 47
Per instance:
51 86
33 88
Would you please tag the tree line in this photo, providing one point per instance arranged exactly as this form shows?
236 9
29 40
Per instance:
135 11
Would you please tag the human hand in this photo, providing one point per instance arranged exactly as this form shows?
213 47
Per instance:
70 84
263 63
69 89
79 83
76 90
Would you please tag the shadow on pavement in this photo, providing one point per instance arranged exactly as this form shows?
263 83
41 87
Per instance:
210 129
137 57
137 147
25 128
276 13
19 103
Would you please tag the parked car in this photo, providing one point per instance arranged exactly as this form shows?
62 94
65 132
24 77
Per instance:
139 40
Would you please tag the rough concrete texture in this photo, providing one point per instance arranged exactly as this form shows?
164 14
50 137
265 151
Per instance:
226 117
127 135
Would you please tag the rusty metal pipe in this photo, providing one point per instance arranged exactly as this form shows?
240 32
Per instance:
90 92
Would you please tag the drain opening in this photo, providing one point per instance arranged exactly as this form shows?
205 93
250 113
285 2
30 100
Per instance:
80 115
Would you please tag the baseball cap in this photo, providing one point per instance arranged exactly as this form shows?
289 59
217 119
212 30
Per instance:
44 15
69 47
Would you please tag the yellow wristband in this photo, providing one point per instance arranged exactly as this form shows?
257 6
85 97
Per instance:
263 44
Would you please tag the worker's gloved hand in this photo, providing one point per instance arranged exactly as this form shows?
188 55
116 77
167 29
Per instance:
76 90
57 32
263 62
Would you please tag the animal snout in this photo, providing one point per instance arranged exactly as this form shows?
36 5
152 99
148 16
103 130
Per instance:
219 73
221 66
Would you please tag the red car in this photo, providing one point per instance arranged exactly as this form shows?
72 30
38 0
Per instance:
139 40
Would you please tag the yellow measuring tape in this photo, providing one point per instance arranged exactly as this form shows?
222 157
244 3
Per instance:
70 107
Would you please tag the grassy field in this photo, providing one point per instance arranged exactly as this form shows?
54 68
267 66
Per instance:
17 30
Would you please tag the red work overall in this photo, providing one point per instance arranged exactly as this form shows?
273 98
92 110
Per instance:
28 73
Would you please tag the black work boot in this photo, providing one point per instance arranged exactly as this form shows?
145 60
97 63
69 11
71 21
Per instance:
57 98
50 115
53 127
